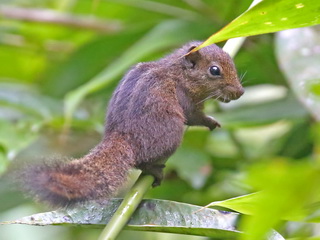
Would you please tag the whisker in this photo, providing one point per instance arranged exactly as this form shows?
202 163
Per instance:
214 95
242 77
205 99
243 82
219 96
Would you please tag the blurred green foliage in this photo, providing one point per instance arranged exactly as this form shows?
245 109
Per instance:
270 138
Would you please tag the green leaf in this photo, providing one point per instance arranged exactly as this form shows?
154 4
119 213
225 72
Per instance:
315 87
248 204
289 191
242 204
269 16
190 161
192 165
152 215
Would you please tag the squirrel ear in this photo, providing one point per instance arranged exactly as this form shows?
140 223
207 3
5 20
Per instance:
191 58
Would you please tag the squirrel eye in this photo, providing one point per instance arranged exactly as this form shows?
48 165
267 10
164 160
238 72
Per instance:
215 71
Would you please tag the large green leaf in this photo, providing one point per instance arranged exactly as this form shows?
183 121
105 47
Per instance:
270 16
152 215
248 204
288 191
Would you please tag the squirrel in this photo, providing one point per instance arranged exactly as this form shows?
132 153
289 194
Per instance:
144 125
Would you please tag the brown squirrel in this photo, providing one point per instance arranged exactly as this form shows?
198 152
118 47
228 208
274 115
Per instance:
144 124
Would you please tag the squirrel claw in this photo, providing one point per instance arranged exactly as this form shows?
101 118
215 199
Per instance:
211 123
156 171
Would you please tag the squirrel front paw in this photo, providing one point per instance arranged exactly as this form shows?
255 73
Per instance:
211 123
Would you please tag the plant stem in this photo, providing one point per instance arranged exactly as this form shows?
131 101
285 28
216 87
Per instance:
233 45
127 208
55 17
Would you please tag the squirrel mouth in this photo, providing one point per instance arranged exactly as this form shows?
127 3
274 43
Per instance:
231 95
224 99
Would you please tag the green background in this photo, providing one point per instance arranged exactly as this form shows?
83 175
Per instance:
265 137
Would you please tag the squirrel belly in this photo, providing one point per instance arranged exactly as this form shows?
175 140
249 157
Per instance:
99 174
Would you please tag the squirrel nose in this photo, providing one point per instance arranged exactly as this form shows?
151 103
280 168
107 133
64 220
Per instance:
240 92
235 91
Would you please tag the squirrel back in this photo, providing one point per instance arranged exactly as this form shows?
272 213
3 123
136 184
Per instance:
144 125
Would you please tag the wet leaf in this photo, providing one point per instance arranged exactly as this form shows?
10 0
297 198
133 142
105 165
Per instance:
152 215
269 16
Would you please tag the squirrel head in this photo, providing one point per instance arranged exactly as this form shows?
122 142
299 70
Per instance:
210 73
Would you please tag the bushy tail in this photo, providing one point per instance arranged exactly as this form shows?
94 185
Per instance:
97 175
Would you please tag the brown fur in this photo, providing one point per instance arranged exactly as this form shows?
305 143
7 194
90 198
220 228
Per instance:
144 125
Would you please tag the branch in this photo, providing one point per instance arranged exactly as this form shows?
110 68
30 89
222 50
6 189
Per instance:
127 208
54 17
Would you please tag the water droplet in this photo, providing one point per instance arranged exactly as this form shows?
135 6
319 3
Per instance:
245 22
299 5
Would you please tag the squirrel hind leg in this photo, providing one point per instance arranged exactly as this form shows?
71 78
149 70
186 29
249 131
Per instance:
155 170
